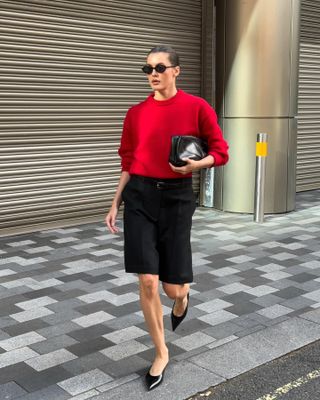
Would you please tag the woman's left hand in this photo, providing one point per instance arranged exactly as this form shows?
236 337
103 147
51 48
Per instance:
191 166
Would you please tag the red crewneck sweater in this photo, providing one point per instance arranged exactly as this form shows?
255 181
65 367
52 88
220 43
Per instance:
149 126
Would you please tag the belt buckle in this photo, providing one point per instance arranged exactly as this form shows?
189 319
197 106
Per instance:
160 185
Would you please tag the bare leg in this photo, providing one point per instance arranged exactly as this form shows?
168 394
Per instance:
179 294
153 314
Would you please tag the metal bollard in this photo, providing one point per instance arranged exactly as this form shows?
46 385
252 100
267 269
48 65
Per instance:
261 156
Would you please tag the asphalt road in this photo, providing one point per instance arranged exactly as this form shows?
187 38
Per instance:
295 376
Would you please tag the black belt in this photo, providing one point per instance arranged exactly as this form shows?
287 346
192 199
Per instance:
164 183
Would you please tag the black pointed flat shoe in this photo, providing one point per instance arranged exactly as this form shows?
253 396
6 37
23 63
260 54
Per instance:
154 381
176 321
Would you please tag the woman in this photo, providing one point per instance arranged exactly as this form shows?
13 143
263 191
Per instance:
158 197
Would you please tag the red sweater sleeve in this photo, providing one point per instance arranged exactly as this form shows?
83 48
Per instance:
126 146
211 131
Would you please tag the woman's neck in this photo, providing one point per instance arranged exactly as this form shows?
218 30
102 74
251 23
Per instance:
165 94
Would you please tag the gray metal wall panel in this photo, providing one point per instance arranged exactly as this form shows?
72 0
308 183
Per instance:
69 72
308 146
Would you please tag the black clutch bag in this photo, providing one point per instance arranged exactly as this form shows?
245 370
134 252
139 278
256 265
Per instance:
186 147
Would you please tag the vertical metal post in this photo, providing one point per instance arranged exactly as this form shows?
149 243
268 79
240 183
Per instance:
261 156
206 187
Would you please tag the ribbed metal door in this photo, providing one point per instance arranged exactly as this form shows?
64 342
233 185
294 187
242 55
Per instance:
69 72
308 156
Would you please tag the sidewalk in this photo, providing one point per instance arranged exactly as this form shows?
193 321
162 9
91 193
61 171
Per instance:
70 319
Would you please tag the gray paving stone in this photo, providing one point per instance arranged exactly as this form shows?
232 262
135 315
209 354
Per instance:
86 363
313 316
52 392
52 344
248 331
10 391
59 329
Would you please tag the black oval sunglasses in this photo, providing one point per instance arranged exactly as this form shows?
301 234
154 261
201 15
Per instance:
160 68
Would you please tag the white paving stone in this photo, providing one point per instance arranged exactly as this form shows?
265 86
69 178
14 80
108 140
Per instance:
217 317
21 243
315 295
234 288
34 313
193 341
261 290
95 296
311 264
6 272
124 280
23 340
270 268
283 256
93 319
213 305
41 249
123 350
123 335
232 247
84 382
276 275
16 356
50 360
39 302
225 271
274 311
240 259
304 237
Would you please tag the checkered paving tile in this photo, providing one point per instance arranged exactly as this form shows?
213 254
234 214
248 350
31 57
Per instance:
70 319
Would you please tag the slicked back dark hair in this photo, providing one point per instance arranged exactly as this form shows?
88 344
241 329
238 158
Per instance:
163 48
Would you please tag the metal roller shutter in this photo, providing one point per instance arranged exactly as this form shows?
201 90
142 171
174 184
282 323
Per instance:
308 148
69 72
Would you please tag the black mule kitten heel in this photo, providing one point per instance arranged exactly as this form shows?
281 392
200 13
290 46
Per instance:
176 321
154 381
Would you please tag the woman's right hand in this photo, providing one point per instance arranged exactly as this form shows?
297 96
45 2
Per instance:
111 219
112 214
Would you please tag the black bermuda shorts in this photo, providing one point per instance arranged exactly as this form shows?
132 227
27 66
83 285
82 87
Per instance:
157 226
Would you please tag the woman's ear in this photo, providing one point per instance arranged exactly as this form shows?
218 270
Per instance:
177 71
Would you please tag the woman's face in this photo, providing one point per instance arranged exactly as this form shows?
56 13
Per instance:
165 80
